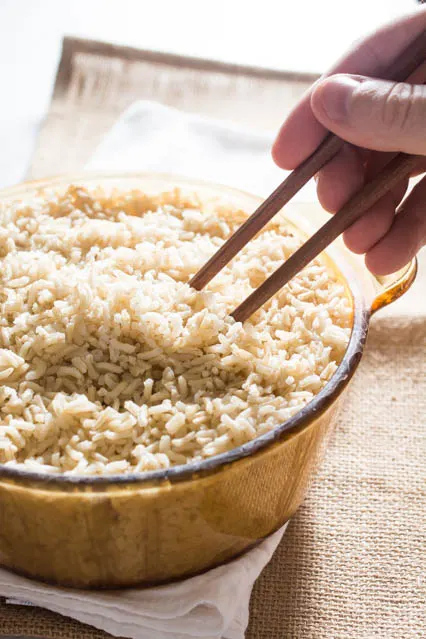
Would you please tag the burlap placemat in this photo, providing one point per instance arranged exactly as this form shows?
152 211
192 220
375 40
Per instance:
97 81
352 562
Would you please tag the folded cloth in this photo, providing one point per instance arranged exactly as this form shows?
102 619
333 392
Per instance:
152 137
212 606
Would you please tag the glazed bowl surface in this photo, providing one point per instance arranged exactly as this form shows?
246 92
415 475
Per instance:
156 527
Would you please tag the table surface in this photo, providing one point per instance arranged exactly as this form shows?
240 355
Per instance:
289 35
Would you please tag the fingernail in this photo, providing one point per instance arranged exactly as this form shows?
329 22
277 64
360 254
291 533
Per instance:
335 95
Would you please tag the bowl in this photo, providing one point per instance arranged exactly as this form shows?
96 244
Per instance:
156 527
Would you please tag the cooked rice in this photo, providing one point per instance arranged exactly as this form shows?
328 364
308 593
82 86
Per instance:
111 363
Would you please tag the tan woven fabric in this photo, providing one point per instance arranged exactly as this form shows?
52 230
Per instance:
352 563
97 81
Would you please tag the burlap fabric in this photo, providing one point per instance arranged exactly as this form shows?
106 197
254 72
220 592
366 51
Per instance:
352 562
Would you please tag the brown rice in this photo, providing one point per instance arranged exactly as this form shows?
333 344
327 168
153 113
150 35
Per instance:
111 363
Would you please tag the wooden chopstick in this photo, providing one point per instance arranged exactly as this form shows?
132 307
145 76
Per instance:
401 69
398 169
266 211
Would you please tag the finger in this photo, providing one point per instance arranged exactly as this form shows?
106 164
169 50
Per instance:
376 164
375 161
420 169
405 238
375 114
345 174
339 179
372 226
301 133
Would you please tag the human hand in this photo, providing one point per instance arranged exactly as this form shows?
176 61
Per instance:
380 117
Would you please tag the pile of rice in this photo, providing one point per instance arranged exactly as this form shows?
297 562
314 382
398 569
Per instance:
111 363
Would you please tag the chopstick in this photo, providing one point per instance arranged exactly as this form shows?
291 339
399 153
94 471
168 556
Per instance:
402 68
266 211
398 169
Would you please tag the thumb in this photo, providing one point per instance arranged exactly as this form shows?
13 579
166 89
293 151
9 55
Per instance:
374 114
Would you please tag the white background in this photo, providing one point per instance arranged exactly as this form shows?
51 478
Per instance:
302 35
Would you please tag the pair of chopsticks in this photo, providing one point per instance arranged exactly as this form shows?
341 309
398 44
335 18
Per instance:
398 169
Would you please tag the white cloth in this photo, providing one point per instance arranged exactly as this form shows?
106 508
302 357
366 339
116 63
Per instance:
214 605
210 606
154 137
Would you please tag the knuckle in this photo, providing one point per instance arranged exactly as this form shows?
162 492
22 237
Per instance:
404 108
397 106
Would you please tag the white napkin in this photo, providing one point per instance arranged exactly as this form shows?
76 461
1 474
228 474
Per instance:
154 137
211 606
215 605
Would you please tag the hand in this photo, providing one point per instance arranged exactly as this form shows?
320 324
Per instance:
382 118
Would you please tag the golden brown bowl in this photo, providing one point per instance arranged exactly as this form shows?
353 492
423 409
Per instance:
163 525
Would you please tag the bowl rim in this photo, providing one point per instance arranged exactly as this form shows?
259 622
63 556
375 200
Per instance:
199 469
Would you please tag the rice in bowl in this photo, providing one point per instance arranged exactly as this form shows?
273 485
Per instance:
111 363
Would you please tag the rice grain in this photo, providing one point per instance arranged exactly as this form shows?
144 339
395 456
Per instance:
111 363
